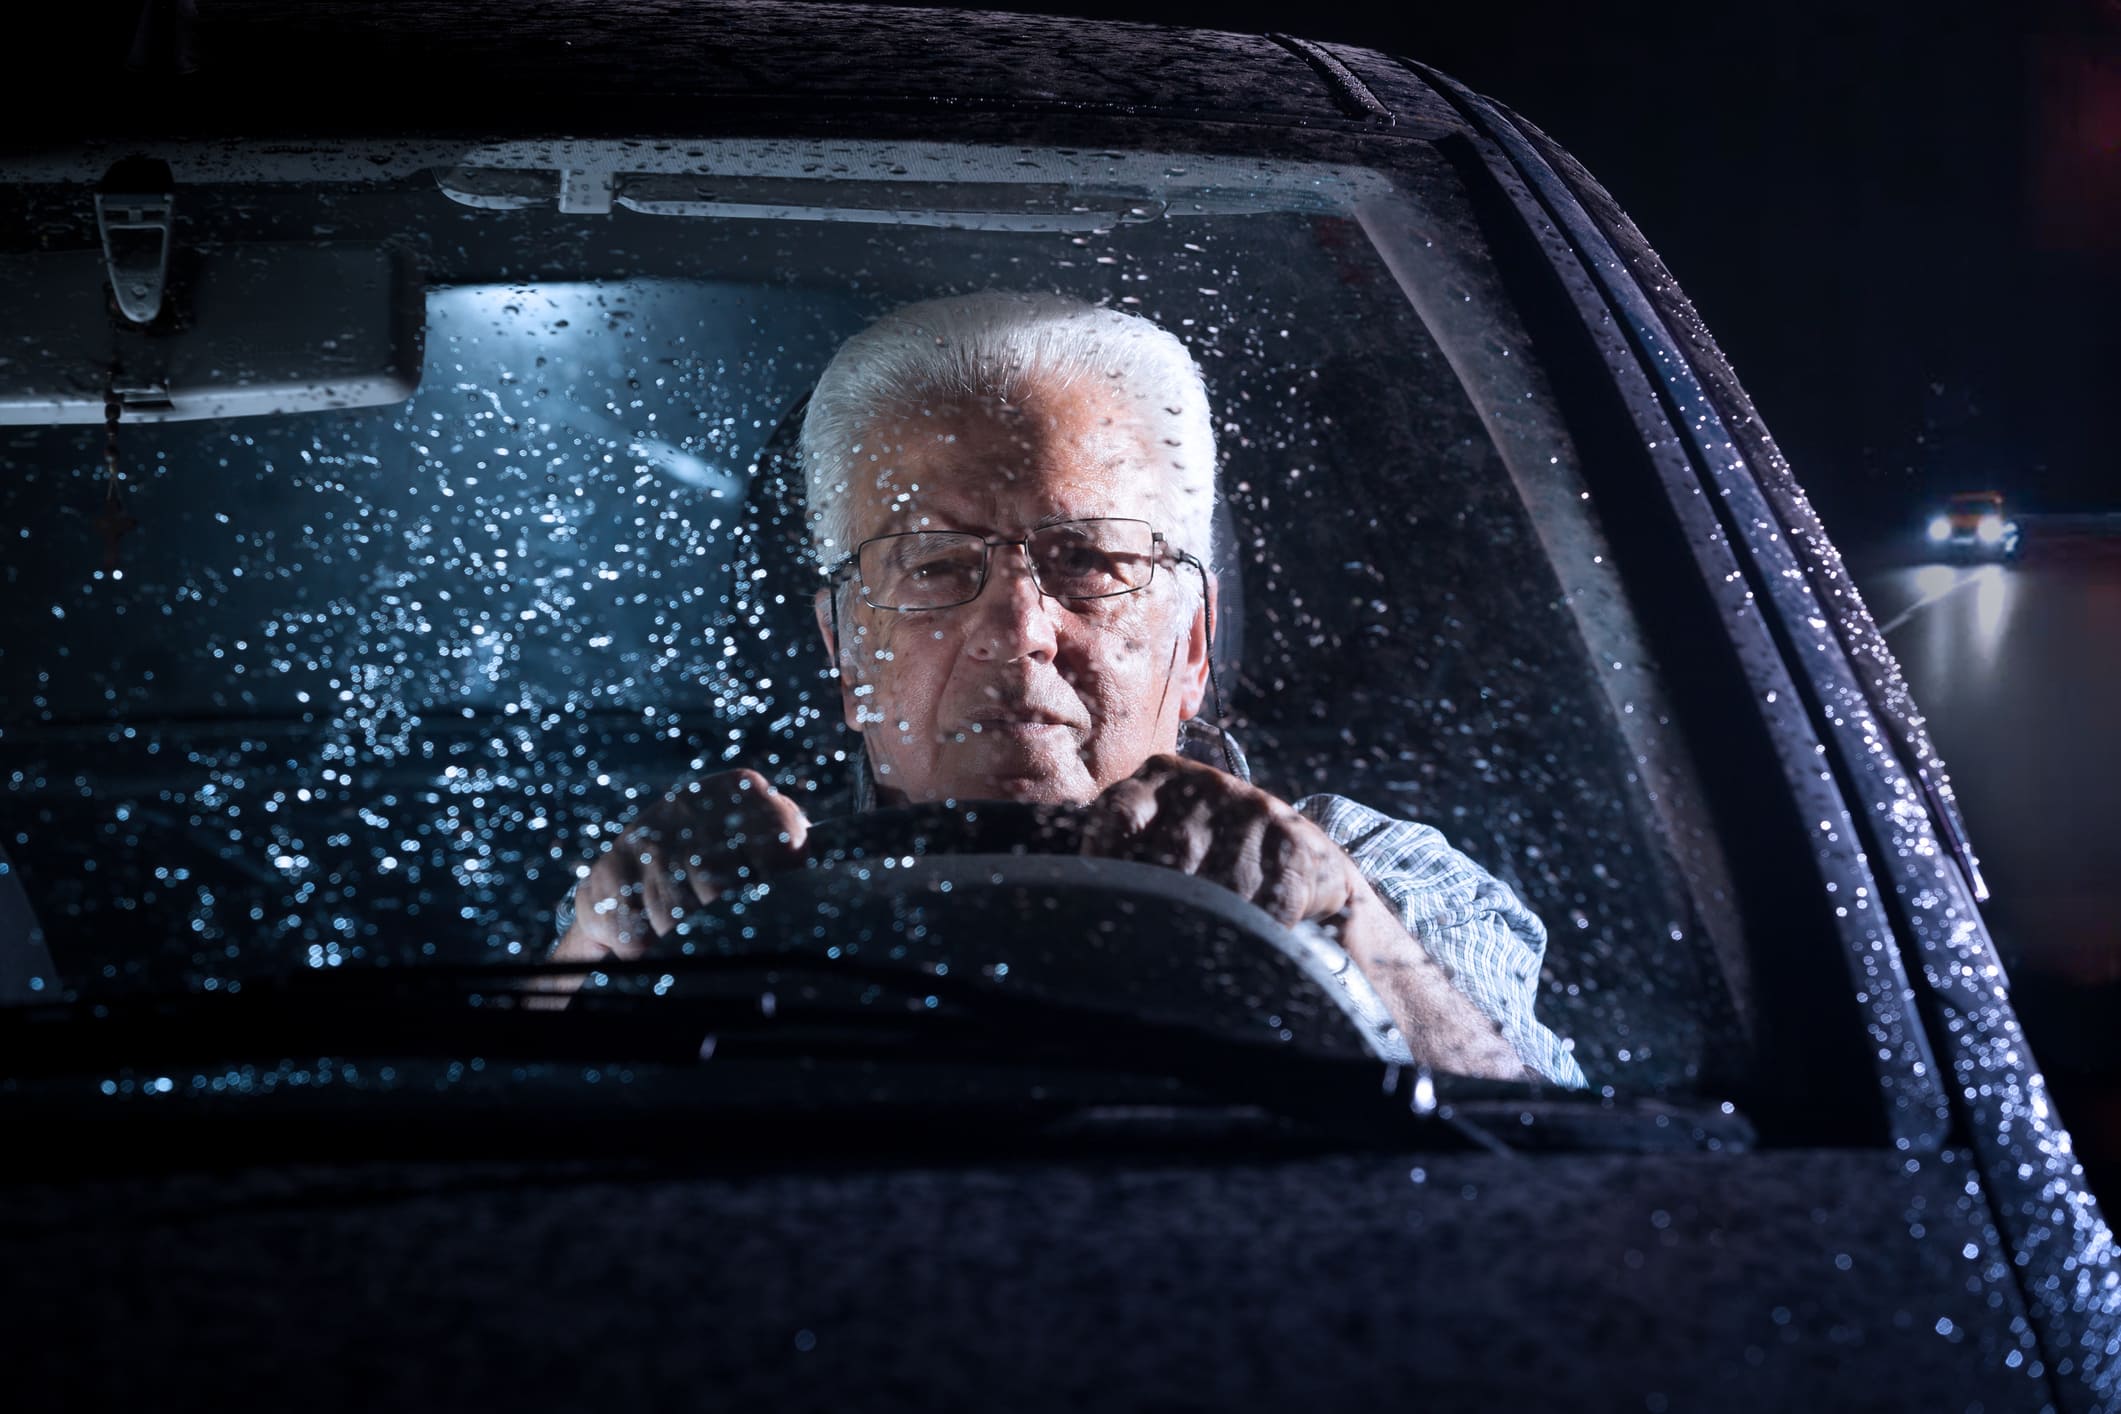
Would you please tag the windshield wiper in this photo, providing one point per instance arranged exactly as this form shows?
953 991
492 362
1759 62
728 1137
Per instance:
910 1020
1544 1124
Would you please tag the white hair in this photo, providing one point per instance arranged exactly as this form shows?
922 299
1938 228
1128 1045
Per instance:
1004 344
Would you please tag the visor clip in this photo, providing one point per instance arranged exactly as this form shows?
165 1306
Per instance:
135 215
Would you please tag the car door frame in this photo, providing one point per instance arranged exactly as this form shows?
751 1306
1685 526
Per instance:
1828 686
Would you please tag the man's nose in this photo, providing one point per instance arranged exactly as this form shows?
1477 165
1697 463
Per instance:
1010 619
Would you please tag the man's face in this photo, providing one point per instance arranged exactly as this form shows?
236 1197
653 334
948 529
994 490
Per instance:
1015 696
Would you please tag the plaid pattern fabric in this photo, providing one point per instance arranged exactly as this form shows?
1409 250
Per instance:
1463 916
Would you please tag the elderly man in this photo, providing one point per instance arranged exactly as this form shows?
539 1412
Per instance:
1012 492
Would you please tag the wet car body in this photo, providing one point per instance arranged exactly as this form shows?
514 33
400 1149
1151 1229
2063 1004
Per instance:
1897 1223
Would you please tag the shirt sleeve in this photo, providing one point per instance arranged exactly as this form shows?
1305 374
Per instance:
1489 943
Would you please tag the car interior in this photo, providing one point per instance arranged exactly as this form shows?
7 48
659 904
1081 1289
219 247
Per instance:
373 679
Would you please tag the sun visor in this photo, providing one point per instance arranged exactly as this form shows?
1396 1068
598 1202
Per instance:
240 331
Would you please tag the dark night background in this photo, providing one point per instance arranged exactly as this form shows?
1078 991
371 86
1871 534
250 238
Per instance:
1902 222
1903 225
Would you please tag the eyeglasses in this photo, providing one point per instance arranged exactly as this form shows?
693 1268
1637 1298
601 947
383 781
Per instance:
1099 558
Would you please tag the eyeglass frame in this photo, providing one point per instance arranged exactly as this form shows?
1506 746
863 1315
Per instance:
1159 549
1233 760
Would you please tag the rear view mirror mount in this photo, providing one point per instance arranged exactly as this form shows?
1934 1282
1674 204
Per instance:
135 215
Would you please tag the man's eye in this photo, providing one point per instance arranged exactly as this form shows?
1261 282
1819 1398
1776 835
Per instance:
942 567
1078 559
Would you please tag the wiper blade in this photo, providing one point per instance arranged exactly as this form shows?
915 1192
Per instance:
916 1019
1545 1125
386 1014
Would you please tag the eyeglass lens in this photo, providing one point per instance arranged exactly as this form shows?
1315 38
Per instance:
1077 559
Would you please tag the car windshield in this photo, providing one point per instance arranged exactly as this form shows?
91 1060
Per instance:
341 691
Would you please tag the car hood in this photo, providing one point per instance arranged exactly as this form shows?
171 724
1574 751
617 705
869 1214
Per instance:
1771 1280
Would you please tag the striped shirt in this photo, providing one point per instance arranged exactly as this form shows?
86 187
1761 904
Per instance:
1489 943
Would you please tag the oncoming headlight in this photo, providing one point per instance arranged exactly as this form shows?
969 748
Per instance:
1989 530
1940 528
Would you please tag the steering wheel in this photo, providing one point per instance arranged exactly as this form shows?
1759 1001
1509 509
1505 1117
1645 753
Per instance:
985 827
994 888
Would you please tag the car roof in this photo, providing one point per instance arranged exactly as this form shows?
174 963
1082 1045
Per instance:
249 67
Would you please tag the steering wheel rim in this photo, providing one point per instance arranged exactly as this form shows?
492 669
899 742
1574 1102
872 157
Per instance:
967 868
944 827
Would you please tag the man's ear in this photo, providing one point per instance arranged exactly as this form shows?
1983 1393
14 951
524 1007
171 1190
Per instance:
822 604
1193 678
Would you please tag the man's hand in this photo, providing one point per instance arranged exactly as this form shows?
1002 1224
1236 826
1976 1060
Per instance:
687 848
1200 821
1196 819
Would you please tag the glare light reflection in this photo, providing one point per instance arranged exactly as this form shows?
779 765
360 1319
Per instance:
1993 598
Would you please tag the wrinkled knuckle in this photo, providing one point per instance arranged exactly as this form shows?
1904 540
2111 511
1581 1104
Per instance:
1321 855
610 874
1125 807
1157 767
789 830
1276 898
586 895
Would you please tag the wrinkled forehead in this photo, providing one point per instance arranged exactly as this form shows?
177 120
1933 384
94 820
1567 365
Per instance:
1004 466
